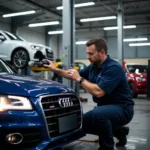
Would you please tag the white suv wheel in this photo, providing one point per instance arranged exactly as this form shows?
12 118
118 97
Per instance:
20 58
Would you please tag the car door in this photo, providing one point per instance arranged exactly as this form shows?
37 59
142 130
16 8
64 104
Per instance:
4 47
80 65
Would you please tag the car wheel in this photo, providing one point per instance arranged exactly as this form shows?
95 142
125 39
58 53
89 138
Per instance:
134 94
20 58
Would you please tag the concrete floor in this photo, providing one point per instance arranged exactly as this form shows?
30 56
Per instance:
139 136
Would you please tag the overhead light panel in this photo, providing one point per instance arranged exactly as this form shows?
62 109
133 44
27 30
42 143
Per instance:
129 27
81 42
124 27
139 44
110 28
19 14
135 39
78 5
125 40
55 32
43 24
98 19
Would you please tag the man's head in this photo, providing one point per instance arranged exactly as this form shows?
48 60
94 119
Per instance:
58 60
96 50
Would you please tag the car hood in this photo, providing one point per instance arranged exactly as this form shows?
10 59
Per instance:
141 75
35 44
25 43
30 86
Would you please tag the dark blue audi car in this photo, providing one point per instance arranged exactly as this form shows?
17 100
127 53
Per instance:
36 114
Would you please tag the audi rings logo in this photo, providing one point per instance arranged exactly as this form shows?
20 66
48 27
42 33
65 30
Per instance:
65 102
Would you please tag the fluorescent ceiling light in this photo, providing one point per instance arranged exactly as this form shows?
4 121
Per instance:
78 5
110 28
55 32
19 13
129 26
124 27
139 44
135 39
43 24
81 42
125 40
98 19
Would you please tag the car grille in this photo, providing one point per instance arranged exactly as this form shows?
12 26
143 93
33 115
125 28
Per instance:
53 111
49 54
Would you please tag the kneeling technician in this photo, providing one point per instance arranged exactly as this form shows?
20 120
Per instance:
105 80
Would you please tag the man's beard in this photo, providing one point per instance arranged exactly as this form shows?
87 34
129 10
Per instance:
97 63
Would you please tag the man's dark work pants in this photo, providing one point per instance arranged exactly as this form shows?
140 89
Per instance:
102 120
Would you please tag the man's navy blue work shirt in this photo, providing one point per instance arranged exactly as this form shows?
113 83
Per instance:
111 78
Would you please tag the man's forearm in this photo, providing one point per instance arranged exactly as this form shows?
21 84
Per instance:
92 88
62 73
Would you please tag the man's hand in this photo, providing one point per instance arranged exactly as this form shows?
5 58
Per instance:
74 75
50 65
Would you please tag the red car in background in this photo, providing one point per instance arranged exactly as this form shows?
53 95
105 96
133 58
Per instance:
137 78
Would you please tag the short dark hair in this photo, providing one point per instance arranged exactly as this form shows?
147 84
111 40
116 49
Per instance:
99 43
58 60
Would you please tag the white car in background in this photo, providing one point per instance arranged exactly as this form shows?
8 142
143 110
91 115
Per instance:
19 52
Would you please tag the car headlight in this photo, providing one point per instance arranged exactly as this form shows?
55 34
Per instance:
140 79
38 48
11 102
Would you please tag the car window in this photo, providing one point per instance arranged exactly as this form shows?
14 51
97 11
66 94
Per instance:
4 67
2 35
137 68
80 65
13 37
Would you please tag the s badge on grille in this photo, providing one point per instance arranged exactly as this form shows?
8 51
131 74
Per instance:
65 102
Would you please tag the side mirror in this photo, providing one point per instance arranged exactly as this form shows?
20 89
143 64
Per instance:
2 38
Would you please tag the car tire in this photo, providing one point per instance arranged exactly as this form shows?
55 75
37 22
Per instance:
134 94
20 58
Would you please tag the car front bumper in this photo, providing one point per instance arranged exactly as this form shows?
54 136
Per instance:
141 88
33 130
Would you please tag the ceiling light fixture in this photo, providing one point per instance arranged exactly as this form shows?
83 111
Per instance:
78 5
19 14
98 19
125 40
124 27
81 42
139 44
55 32
129 27
43 24
135 39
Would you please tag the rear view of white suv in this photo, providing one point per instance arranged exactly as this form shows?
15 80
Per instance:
19 52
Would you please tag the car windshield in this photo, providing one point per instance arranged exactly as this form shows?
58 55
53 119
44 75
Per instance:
137 68
6 68
13 37
80 65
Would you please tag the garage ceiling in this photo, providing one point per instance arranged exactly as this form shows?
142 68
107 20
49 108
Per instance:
136 12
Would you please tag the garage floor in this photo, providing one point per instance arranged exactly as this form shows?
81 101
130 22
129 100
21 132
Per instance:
139 136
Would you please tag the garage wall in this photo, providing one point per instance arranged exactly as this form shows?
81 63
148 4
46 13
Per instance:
35 35
111 38
131 54
56 44
143 61
5 24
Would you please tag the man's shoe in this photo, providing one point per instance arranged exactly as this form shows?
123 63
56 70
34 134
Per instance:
121 136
